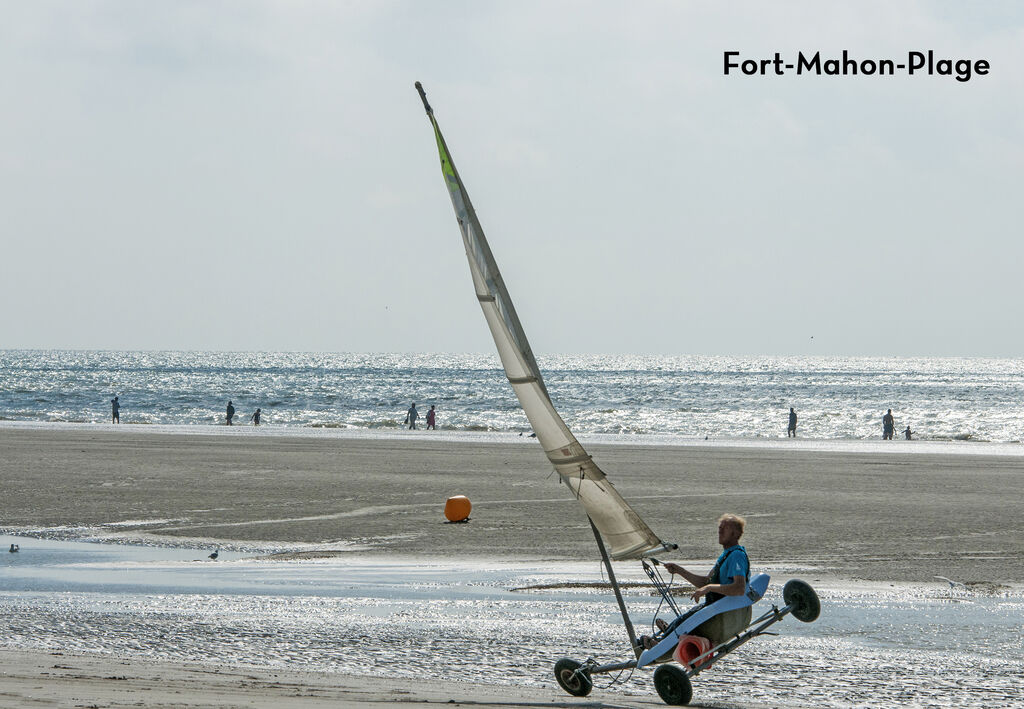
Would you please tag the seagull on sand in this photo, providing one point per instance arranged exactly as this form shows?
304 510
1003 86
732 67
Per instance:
951 582
215 554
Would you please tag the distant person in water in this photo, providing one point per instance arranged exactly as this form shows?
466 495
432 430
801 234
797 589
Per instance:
115 410
230 412
431 419
412 415
907 433
791 431
888 426
255 418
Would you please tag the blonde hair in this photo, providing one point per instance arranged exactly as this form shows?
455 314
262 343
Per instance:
739 522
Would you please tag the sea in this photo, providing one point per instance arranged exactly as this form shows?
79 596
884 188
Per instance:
616 397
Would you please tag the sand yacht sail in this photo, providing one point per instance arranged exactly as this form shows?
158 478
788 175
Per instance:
626 535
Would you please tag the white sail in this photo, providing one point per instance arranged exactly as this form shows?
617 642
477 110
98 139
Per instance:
624 532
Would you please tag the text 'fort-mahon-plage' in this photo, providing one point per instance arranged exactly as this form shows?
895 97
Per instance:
915 64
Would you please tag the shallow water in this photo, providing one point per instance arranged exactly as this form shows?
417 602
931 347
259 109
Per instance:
942 398
873 645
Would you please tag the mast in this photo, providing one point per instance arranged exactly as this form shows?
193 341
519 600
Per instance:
637 650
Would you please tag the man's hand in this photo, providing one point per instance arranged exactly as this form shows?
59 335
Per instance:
737 588
691 578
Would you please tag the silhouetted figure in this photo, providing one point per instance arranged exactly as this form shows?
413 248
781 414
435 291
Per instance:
215 554
115 410
888 426
412 415
431 419
14 549
791 431
907 433
255 418
230 412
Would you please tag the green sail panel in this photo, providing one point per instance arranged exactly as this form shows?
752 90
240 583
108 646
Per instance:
624 533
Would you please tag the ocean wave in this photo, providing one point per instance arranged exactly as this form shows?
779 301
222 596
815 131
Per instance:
629 395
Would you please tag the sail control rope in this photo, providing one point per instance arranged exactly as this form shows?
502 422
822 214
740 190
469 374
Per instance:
665 589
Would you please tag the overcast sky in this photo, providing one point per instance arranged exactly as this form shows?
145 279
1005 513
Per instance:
261 176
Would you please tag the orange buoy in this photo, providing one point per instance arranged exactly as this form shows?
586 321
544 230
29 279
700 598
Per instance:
457 508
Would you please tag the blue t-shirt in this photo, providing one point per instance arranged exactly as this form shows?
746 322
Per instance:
732 562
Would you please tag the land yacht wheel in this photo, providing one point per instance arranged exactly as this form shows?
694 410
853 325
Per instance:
577 684
673 685
804 600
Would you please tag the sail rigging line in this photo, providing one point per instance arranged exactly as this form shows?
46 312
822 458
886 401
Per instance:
626 535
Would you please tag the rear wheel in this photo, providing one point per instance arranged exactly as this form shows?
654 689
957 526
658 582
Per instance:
673 685
577 684
800 595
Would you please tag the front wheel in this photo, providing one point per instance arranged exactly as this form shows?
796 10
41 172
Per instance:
577 684
673 685
800 595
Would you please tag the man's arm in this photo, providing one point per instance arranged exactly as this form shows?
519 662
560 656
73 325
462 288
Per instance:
737 588
693 578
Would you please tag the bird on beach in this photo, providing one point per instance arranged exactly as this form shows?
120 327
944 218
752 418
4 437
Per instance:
14 548
951 582
215 554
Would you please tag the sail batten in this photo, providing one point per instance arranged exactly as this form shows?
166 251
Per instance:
626 535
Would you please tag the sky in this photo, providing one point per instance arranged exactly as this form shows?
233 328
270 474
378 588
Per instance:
261 176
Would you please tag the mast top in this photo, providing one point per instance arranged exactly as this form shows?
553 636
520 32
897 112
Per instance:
423 95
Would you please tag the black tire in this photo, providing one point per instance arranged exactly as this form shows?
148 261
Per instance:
800 595
577 684
673 685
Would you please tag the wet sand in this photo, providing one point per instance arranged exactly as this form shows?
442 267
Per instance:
40 679
861 516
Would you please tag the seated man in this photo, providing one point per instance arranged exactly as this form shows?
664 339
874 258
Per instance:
728 577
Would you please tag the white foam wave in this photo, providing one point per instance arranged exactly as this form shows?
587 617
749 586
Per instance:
836 445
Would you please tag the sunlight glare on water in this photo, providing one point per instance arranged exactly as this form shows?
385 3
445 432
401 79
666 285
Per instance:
922 646
942 398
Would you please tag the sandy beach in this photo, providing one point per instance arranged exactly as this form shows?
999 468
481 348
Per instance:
862 517
869 516
58 680
37 679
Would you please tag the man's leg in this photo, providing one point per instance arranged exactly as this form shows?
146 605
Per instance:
649 641
724 625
